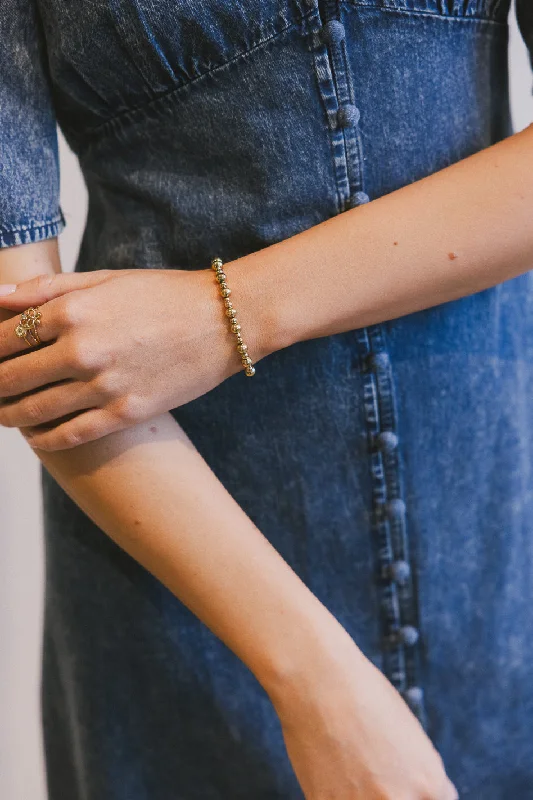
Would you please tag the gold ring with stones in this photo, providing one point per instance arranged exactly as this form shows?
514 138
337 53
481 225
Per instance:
27 326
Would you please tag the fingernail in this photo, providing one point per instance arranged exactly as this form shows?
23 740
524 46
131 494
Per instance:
7 288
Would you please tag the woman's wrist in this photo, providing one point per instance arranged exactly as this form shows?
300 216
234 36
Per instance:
252 314
258 302
317 648
371 263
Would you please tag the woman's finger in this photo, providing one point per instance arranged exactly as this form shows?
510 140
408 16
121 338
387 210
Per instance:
30 371
50 325
47 405
86 427
41 289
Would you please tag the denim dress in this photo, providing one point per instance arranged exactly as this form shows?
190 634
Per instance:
391 465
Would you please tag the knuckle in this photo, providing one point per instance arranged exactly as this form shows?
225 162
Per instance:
7 378
130 409
103 356
57 440
70 312
33 411
106 385
45 281
81 355
70 439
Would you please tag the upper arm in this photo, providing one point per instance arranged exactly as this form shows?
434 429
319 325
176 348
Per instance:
29 162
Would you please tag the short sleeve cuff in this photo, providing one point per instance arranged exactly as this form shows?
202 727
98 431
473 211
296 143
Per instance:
32 231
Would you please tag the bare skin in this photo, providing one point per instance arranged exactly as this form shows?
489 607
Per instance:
348 733
339 275
185 528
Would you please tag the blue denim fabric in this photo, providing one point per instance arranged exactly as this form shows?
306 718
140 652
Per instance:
391 465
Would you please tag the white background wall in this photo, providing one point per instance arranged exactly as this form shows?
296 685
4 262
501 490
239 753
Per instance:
21 568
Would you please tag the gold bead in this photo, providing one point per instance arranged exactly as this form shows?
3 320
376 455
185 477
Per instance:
218 266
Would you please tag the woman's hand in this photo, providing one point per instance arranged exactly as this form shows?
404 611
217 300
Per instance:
350 736
119 346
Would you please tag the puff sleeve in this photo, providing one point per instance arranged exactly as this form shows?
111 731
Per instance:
29 161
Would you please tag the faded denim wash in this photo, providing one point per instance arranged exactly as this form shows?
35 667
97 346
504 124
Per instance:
390 465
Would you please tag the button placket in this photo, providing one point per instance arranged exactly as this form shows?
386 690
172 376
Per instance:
332 68
398 601
398 608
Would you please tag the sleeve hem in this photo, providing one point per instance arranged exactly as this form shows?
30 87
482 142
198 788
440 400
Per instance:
32 232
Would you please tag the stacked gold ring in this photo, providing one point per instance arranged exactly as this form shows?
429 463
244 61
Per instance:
218 266
27 326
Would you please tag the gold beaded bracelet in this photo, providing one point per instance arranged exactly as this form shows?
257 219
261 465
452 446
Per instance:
225 291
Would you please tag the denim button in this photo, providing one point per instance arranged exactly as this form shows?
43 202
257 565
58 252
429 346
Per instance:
333 32
396 508
387 441
359 199
400 571
378 360
347 115
414 695
409 635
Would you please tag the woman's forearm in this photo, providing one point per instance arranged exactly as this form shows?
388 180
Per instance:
150 490
454 233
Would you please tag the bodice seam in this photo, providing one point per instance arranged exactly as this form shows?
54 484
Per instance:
360 4
85 139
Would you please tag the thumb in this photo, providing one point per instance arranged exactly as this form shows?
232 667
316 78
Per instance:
38 290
